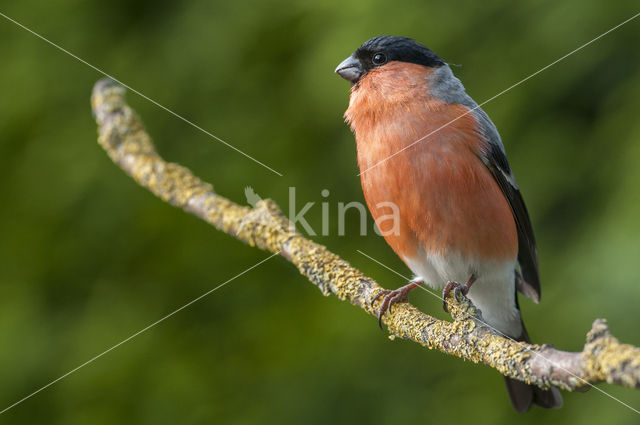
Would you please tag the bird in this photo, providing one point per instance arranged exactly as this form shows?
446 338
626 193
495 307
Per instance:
460 222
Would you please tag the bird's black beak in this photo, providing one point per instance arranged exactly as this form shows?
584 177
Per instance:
350 69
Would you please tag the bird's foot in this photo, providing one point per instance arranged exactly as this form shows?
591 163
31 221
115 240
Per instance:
394 296
457 289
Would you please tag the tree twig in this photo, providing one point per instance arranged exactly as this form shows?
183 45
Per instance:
604 358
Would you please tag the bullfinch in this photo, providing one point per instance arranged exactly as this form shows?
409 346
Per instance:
460 223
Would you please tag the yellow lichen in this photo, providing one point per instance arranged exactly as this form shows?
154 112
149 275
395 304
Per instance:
122 135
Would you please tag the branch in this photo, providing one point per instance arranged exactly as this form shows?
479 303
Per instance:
604 358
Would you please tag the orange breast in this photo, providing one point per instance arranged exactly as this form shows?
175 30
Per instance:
447 198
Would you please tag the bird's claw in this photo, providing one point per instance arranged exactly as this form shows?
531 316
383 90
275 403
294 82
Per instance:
457 289
392 297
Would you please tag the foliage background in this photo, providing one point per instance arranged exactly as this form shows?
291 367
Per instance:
88 258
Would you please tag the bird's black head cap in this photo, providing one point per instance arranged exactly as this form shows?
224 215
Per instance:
395 48
383 49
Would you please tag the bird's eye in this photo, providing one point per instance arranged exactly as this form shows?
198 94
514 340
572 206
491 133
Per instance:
379 59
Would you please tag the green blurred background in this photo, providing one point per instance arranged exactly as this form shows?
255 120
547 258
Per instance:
87 257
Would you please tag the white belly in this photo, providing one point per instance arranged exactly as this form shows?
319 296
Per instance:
493 292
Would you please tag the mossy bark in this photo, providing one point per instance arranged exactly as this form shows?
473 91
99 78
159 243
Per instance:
123 137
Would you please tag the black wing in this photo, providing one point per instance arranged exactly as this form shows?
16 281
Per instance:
527 251
495 159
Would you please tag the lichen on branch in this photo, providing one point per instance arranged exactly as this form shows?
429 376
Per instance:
124 138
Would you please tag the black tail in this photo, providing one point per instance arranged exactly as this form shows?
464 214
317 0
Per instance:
524 395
